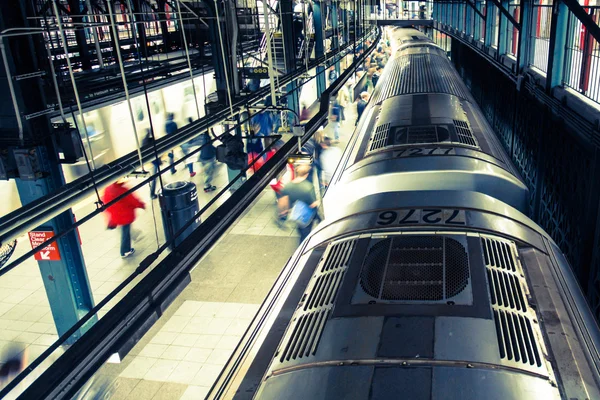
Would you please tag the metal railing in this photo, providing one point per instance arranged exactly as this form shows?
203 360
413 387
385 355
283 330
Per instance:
582 58
539 35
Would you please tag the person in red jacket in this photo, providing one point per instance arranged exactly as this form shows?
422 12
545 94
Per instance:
122 213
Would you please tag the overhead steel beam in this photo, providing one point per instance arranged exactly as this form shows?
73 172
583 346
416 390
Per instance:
584 17
507 14
472 5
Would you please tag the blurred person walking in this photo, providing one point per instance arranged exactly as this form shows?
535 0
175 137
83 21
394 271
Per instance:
299 202
343 99
361 105
122 213
329 160
147 142
207 158
171 127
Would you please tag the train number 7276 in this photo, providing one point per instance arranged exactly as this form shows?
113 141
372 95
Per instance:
422 216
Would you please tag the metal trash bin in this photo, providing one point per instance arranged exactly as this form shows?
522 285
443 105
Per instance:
179 204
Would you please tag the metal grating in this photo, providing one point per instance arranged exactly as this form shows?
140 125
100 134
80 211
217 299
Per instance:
505 290
325 289
465 136
380 138
415 268
516 338
338 255
311 316
305 336
420 73
498 254
422 134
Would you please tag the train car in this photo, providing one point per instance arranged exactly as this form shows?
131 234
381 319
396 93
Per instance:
421 290
422 128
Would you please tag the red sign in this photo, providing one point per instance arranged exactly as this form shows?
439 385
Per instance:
48 253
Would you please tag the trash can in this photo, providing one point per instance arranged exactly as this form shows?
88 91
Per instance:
179 204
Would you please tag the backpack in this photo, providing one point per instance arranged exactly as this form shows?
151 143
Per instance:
231 152
301 214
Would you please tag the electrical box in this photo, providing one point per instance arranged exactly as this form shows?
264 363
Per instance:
298 130
68 144
8 167
28 164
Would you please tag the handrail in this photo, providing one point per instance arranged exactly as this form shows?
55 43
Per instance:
140 307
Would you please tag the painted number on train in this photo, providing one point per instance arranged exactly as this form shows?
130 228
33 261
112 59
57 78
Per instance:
425 151
422 216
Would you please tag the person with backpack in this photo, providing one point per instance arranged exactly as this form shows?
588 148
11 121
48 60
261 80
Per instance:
333 75
207 158
335 118
299 202
343 99
122 213
147 142
361 105
171 127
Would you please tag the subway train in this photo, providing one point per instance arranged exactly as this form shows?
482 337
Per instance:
426 280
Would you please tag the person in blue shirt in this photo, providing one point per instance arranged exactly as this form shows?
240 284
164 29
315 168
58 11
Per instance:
171 127
207 157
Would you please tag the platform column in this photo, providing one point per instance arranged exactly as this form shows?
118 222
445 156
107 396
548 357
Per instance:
65 279
558 41
319 46
503 29
489 23
287 23
335 42
525 42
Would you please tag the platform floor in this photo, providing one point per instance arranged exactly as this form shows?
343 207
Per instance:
185 350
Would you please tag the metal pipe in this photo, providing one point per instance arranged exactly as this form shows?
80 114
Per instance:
11 88
224 61
269 52
193 13
55 82
187 55
95 34
64 44
124 79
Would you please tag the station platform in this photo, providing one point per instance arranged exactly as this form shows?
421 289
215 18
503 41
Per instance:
183 353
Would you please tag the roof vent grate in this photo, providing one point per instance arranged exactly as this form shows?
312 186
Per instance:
324 290
306 335
302 338
463 132
415 268
498 254
381 137
338 256
516 339
505 290
422 134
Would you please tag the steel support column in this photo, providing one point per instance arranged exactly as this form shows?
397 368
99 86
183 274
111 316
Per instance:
335 43
320 45
558 40
503 30
65 280
525 47
287 24
489 23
